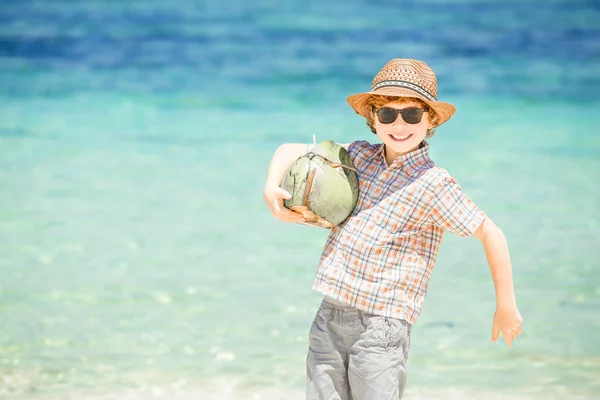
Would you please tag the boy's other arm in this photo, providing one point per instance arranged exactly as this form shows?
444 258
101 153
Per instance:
284 157
507 318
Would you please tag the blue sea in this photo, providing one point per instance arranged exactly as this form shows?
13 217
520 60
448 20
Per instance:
139 261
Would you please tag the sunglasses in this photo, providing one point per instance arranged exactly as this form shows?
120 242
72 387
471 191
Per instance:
411 115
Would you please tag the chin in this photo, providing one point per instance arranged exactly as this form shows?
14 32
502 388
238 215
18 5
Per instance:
402 147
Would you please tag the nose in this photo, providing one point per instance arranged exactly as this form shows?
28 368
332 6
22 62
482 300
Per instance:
399 121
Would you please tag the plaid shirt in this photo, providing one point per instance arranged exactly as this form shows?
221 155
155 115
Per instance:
381 258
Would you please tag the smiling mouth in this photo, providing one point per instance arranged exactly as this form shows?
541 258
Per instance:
401 138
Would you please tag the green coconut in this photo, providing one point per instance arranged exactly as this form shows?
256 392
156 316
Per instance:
323 185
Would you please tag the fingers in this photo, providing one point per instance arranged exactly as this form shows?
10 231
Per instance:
275 192
282 194
274 197
509 323
495 331
283 214
508 339
510 335
286 215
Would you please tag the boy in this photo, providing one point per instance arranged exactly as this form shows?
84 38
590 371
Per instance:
375 265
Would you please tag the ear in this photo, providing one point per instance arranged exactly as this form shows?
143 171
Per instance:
432 118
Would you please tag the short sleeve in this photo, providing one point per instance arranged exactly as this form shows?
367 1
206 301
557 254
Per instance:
353 148
356 151
453 210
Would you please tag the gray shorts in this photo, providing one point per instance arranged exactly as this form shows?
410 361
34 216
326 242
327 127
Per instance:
353 355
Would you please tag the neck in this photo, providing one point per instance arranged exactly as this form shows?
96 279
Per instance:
390 156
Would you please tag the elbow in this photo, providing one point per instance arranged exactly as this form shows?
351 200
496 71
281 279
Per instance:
284 148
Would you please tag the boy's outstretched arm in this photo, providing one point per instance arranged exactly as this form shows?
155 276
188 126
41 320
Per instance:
507 318
284 157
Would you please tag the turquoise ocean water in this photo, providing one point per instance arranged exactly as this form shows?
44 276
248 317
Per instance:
138 260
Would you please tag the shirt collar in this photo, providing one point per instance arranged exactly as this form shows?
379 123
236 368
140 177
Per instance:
411 162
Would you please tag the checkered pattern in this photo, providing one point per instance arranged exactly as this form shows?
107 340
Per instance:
381 258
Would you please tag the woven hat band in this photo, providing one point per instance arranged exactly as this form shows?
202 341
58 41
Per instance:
407 85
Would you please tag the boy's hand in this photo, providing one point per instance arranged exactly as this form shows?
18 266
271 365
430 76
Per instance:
508 321
274 196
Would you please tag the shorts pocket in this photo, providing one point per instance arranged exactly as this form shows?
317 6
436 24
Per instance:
379 333
392 333
319 325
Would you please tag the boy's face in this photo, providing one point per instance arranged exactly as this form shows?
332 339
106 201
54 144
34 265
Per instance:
401 137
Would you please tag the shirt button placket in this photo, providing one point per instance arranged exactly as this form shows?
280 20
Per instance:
383 175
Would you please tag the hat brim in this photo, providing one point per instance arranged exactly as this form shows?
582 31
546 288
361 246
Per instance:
359 102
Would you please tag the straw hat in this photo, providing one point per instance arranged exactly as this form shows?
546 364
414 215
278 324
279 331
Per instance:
403 77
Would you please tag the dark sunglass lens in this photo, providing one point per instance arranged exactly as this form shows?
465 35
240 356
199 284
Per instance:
387 115
412 115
